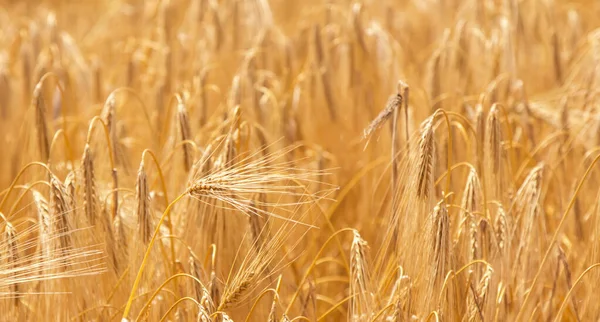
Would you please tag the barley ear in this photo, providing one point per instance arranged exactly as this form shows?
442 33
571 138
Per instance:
60 211
41 124
440 245
45 224
493 139
142 198
89 185
361 306
426 160
184 129
12 258
393 103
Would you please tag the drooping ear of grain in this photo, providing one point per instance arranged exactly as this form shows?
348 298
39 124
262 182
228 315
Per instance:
202 101
235 94
44 222
41 124
108 117
394 102
564 120
471 203
215 293
184 130
218 28
272 317
361 306
526 209
426 159
97 90
477 302
207 301
556 50
493 139
405 99
480 132
357 26
257 229
70 193
501 227
89 185
562 258
440 245
12 258
234 295
323 72
435 82
60 211
195 272
106 230
142 197
5 94
120 237
205 163
472 194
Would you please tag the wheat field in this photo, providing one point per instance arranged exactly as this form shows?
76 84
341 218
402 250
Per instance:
299 160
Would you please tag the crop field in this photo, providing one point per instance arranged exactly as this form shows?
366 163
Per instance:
299 160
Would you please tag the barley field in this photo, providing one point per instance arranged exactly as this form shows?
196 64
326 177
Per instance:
299 160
